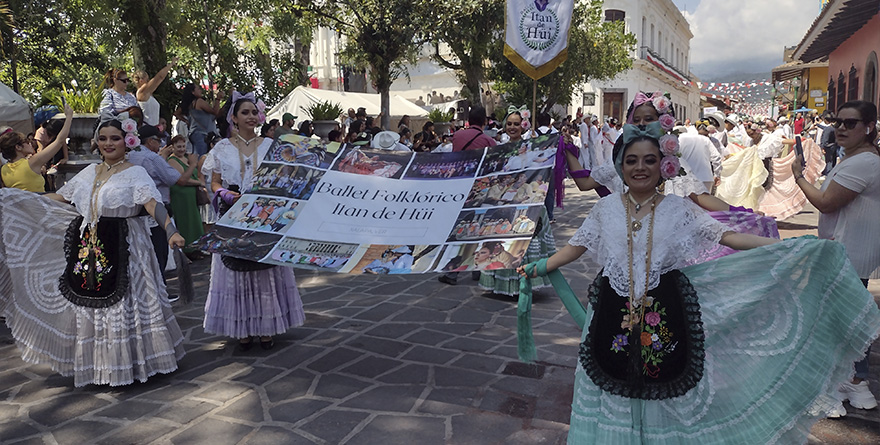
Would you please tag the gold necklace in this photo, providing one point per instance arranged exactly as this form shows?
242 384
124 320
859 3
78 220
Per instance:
641 302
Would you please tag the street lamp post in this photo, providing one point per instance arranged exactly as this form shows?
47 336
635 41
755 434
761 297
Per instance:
773 91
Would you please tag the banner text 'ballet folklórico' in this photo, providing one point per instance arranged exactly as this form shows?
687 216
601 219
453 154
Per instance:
357 210
536 34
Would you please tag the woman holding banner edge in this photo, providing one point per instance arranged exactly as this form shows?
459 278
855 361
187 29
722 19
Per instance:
245 299
506 282
708 353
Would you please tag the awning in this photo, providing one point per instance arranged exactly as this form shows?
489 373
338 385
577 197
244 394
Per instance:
790 70
839 20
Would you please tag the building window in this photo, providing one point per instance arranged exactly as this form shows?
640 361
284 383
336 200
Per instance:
652 36
614 15
831 98
871 79
644 37
841 90
853 92
660 43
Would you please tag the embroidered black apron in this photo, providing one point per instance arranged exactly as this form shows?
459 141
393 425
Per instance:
96 274
662 359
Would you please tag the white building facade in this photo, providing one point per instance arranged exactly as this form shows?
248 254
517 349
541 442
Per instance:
662 58
425 77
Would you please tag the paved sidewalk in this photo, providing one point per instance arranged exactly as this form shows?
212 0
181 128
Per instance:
381 360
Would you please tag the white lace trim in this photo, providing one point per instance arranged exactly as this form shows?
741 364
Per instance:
224 159
606 175
682 230
121 196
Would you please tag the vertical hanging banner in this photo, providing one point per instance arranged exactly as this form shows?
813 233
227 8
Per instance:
536 34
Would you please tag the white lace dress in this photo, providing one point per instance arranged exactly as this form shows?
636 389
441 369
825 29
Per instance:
252 303
127 341
782 326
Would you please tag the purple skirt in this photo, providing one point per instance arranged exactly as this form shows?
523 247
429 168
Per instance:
742 222
257 303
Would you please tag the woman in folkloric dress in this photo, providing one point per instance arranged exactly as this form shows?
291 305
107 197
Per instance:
246 299
80 287
741 349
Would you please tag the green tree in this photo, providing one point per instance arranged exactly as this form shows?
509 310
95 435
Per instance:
483 24
596 50
49 46
380 35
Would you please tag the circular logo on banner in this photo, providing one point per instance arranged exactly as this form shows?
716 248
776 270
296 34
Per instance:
538 29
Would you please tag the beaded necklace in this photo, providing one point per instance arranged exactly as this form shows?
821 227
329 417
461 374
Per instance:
641 301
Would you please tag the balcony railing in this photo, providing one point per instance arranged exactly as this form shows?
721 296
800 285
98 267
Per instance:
643 54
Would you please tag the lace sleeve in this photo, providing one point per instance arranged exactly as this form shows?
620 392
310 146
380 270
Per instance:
706 231
143 188
588 235
211 164
79 184
606 175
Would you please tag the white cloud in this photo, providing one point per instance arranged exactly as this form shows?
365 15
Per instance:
730 33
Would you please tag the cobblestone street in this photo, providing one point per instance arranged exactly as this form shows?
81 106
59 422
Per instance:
399 359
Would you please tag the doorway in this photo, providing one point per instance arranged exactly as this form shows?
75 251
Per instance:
612 105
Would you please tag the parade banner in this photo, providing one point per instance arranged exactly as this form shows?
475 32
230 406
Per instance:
359 210
536 34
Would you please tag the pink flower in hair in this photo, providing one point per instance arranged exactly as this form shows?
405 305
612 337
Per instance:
668 145
129 126
667 121
526 115
669 167
661 104
131 140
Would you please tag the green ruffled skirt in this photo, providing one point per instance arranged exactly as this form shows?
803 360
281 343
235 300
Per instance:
783 325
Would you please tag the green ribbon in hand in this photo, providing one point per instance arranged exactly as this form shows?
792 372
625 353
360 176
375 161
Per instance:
525 341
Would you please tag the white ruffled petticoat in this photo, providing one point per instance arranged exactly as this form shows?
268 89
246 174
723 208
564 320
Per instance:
130 340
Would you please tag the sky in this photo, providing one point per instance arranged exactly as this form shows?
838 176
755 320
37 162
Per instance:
744 36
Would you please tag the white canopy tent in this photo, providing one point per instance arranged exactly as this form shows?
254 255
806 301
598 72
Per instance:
301 97
15 111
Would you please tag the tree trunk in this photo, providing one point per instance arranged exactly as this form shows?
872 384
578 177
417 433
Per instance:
381 73
14 67
149 37
473 79
385 98
304 56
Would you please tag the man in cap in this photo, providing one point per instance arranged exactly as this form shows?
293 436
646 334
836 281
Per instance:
155 161
287 125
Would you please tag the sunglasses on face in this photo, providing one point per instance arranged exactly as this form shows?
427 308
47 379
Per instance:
848 123
125 80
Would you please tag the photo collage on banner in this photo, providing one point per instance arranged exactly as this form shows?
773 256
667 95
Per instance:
365 211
